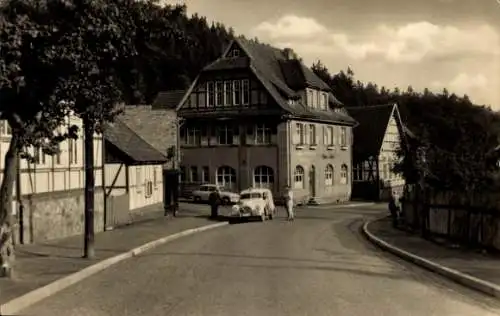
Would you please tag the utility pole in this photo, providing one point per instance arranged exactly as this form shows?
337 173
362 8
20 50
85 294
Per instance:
89 251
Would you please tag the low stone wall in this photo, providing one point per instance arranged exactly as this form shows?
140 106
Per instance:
55 215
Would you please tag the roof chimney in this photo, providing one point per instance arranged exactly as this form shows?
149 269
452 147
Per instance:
289 54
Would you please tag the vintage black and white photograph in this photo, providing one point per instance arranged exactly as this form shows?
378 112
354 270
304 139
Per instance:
250 158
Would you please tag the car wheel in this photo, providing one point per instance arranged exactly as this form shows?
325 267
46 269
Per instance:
226 201
197 199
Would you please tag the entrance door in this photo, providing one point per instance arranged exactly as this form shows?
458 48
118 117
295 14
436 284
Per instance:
312 181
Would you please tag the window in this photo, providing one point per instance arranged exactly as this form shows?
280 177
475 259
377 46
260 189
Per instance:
312 134
219 93
193 136
236 92
358 172
384 171
324 100
245 86
263 177
309 98
329 175
148 189
155 177
226 177
343 174
262 134
343 136
328 136
210 93
225 135
205 175
227 93
194 174
138 179
300 133
298 176
234 53
262 97
72 151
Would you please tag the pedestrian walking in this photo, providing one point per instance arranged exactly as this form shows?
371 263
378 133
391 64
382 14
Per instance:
394 210
289 203
214 200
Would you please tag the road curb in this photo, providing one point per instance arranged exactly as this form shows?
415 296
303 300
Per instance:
356 205
14 306
452 274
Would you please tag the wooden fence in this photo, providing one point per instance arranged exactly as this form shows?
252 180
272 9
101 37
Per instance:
471 220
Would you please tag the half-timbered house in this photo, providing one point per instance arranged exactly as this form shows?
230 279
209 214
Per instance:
257 117
49 199
376 142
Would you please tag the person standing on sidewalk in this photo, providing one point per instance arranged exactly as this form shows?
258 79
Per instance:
214 200
289 202
394 210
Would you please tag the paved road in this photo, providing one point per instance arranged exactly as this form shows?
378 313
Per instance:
318 265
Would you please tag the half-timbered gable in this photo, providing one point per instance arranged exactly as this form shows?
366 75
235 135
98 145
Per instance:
376 142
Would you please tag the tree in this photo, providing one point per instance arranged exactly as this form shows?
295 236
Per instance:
97 36
322 72
28 77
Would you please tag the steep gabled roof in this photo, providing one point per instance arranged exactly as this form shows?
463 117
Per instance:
156 126
369 134
281 77
168 99
134 149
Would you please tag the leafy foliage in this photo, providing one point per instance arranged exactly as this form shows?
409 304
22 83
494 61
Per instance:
459 139
28 78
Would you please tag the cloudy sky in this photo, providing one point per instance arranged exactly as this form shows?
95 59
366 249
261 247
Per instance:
423 43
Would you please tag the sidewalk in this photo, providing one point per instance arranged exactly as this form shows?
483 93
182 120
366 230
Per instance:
40 264
470 264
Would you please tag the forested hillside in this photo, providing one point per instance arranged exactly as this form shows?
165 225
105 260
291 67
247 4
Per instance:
172 48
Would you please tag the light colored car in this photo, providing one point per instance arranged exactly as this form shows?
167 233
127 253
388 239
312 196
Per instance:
255 202
204 191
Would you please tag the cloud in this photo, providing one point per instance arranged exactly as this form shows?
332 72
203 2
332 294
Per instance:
409 43
464 58
465 83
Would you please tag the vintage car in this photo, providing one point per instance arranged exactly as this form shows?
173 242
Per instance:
203 192
255 202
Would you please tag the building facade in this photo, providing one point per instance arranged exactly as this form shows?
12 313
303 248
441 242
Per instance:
51 187
133 174
377 140
257 117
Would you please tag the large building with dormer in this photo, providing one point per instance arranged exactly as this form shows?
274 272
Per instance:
257 117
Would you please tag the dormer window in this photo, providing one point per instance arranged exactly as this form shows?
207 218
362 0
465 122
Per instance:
309 98
324 101
234 53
